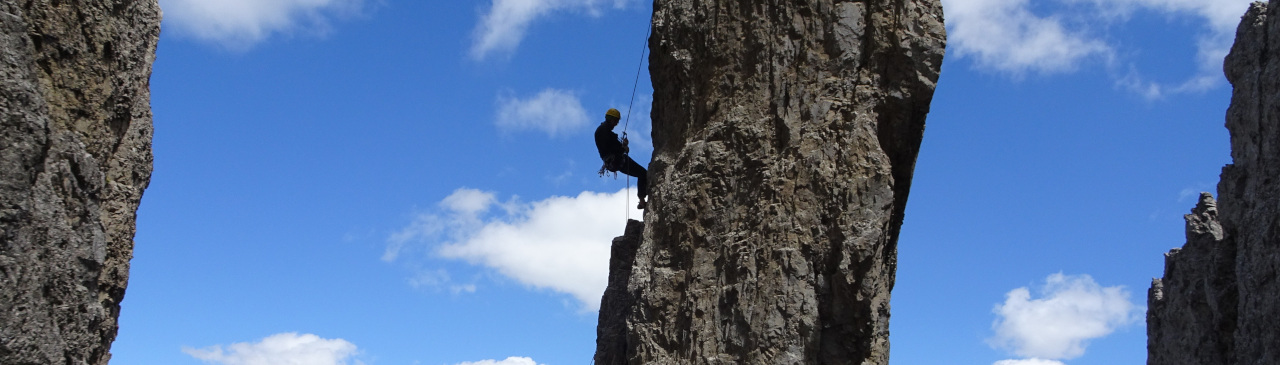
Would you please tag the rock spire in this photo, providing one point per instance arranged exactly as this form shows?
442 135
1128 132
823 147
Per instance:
785 136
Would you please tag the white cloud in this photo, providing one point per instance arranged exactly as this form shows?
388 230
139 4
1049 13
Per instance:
1070 311
1004 35
1220 17
468 202
504 26
509 361
561 243
280 349
1028 362
463 208
239 24
552 111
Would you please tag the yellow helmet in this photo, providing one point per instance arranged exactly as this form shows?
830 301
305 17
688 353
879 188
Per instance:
613 113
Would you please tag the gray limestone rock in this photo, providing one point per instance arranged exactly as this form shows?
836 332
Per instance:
75 156
1219 299
1191 312
611 333
785 137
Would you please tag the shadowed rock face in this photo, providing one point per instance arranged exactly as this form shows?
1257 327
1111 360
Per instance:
785 135
1219 299
1191 312
611 333
75 156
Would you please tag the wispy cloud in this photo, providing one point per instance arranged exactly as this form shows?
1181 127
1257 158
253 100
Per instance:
439 279
1007 36
282 348
560 243
1029 362
509 361
1004 35
552 111
462 211
1187 193
1220 19
1071 311
240 24
503 27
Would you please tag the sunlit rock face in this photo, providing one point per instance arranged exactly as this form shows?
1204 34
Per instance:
75 156
785 136
1219 299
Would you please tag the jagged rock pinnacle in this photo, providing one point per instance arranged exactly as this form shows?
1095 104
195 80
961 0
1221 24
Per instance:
785 136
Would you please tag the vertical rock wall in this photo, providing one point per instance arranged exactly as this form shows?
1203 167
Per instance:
75 156
1219 299
785 135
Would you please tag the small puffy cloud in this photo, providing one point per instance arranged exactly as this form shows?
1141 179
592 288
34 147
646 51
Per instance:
552 111
561 243
1005 35
239 24
1070 311
509 361
283 348
504 26
468 202
1029 362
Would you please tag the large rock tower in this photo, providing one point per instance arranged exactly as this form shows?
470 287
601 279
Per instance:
785 135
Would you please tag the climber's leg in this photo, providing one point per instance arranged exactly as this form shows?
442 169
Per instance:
630 167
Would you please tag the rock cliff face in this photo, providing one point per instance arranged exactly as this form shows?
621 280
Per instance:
785 135
1219 300
75 156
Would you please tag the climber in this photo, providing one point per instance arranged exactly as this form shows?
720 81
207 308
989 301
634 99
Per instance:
614 154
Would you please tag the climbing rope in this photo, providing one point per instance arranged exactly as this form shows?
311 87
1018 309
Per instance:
636 85
632 103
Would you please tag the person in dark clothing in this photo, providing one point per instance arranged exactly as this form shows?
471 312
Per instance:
614 154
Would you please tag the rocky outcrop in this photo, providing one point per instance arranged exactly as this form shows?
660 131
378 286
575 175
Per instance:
611 333
75 156
1219 299
1191 312
785 135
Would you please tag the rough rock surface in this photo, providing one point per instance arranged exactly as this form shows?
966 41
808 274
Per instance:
611 333
785 136
75 156
1191 312
1219 299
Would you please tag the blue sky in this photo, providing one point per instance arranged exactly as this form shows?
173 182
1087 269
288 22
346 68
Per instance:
413 182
